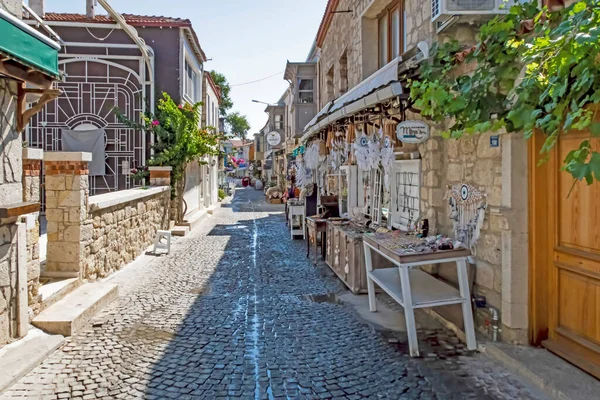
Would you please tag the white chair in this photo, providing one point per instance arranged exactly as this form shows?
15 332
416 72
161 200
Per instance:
159 245
297 211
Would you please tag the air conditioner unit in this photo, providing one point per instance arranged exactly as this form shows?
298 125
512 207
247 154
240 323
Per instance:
441 10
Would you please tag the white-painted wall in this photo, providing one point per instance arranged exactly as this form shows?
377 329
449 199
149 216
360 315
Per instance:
195 185
211 104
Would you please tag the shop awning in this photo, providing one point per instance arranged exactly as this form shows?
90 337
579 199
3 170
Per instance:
28 47
381 86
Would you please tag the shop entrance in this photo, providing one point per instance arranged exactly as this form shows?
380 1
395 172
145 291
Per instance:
565 257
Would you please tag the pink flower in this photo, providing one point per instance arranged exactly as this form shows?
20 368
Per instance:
180 106
155 123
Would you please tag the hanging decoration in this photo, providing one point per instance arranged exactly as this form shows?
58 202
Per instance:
323 148
303 174
330 138
311 157
375 149
361 151
350 134
467 207
387 157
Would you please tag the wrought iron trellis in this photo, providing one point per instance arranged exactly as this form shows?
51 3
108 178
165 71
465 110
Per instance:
92 89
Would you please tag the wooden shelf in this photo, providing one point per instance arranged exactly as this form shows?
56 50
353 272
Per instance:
426 290
16 209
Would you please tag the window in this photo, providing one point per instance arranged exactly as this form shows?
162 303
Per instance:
305 91
191 83
383 41
344 73
330 88
391 33
278 121
208 108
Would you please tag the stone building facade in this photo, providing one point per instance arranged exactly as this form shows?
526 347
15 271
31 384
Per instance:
348 44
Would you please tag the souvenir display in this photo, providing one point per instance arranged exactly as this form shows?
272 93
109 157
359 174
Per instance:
466 206
403 244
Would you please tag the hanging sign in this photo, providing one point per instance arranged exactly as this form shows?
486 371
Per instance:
412 132
273 138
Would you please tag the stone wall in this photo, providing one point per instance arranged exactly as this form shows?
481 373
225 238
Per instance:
115 235
15 7
11 190
343 36
8 280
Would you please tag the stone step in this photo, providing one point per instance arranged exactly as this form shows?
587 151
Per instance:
180 230
70 314
193 219
18 358
56 289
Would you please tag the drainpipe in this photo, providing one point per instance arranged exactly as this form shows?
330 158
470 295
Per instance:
495 323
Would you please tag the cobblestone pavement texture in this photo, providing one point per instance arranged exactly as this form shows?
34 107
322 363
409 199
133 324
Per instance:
226 315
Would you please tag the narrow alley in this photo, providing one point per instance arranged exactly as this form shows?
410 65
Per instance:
228 315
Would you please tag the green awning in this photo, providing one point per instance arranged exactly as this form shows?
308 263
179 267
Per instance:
27 46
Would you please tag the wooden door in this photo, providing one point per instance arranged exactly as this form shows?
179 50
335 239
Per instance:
565 262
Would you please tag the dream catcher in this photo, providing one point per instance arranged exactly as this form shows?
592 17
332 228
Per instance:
467 207
387 157
311 156
338 154
303 175
375 149
361 151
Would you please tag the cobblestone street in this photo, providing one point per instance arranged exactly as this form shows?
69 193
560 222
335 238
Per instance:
228 315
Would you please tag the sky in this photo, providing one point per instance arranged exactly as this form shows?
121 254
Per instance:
246 39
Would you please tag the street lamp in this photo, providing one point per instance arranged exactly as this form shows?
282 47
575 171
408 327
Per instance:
262 102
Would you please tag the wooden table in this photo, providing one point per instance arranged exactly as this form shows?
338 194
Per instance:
413 288
314 226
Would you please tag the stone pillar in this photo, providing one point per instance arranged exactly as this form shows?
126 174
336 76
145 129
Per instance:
67 198
160 176
32 168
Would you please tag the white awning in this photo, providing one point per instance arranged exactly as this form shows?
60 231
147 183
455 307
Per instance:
383 85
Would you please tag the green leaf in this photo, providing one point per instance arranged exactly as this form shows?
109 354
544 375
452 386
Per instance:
595 129
579 7
595 165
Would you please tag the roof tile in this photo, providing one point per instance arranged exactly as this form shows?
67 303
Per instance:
132 19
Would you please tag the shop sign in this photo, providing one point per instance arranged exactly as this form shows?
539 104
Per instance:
273 138
412 132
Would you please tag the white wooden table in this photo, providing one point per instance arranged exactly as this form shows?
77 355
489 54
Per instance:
297 211
413 288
